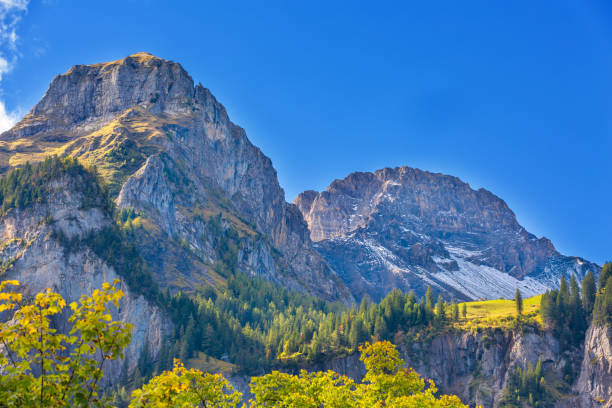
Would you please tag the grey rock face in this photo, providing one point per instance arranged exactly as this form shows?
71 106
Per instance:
168 149
88 93
477 366
595 382
41 261
148 187
406 228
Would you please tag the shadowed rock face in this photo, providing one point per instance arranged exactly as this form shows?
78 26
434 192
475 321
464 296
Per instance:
41 259
408 228
168 149
594 384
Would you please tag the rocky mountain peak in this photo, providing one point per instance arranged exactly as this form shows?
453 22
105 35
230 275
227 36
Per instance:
98 92
408 228
168 150
442 202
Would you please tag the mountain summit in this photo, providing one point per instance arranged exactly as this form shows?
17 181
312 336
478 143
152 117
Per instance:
407 228
206 198
96 92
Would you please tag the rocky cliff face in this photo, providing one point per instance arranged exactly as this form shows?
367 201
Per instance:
408 228
35 251
168 150
477 366
595 382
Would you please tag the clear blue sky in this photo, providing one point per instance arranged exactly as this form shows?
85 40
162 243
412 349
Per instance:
515 97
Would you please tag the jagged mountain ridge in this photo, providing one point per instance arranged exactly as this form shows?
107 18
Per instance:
408 228
168 150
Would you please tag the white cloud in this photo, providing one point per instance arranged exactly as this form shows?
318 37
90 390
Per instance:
11 12
16 4
7 119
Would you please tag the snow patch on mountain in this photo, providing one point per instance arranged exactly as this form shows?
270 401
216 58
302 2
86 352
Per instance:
484 282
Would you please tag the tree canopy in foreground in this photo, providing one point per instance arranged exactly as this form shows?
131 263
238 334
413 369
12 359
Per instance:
41 367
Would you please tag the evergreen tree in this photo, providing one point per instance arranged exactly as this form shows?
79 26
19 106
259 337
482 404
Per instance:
602 311
356 333
162 358
455 312
464 311
538 369
564 294
380 328
574 289
365 303
588 293
184 351
429 302
606 272
440 312
519 303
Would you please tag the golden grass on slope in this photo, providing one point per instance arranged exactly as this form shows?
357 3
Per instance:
145 130
498 313
140 57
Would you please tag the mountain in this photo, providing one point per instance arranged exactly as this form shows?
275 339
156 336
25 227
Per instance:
407 228
129 170
204 199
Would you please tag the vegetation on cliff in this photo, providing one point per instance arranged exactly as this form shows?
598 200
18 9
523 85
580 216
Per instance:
42 367
29 184
602 309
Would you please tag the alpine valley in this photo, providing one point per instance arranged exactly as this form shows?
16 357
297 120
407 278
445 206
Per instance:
129 170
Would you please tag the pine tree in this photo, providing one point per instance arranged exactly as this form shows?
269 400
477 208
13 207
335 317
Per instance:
355 333
538 370
365 304
455 312
380 328
429 302
602 311
440 312
588 293
192 338
162 358
519 303
606 272
574 292
184 352
548 308
464 311
564 294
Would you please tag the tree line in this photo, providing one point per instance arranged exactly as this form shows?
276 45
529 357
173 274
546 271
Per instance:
256 324
41 367
568 310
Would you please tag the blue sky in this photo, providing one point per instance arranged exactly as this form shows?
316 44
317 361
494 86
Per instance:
515 97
